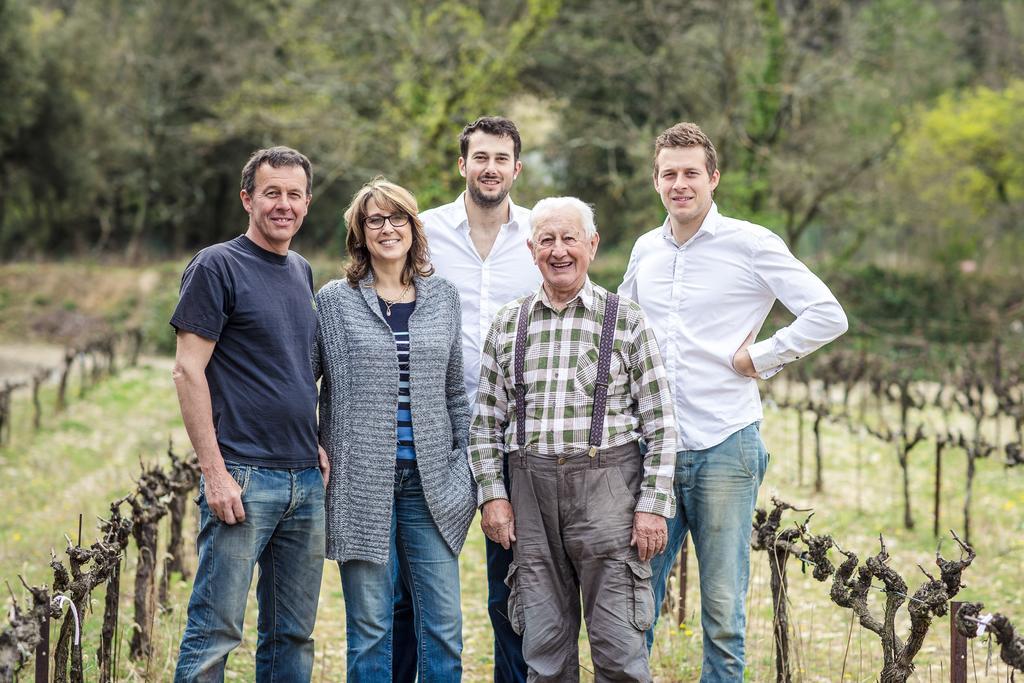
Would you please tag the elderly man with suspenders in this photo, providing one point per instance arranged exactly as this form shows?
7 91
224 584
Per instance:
570 380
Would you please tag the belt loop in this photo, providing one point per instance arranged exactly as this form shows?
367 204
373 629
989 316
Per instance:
522 457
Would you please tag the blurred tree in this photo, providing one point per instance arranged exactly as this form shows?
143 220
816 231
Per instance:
368 88
990 38
960 174
20 67
801 96
125 122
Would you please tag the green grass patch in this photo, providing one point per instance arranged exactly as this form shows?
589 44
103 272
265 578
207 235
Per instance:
51 477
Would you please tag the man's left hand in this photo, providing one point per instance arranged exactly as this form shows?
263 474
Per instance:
650 534
741 361
325 465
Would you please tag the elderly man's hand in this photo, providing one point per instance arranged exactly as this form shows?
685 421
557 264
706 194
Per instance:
498 522
650 534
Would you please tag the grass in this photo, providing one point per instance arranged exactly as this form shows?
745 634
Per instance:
89 455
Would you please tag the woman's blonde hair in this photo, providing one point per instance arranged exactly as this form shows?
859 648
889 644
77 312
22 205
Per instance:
396 199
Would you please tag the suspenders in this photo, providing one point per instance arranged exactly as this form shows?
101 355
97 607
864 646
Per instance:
604 361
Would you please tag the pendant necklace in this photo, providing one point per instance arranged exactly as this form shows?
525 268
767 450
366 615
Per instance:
388 303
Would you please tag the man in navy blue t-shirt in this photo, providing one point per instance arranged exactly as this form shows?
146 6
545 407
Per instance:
245 325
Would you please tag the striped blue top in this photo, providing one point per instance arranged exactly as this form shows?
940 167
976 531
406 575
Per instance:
399 322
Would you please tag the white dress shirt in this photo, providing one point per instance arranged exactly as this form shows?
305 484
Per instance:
703 298
484 285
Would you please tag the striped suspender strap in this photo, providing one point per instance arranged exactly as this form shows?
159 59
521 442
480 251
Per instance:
604 361
522 325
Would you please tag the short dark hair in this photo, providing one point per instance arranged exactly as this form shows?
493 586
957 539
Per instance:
492 125
686 134
275 157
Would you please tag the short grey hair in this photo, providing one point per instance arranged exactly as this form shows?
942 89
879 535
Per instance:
550 205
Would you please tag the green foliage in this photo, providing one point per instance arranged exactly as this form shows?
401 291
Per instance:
20 64
961 167
938 306
126 122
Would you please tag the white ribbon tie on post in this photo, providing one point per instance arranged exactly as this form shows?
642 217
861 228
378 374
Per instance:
61 599
983 622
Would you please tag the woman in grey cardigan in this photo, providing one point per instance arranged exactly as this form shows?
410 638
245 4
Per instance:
394 420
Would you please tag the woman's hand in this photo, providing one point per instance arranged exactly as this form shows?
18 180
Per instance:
325 465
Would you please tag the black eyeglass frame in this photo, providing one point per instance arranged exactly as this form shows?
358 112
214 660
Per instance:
401 217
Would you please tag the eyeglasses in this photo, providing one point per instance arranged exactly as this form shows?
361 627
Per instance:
397 220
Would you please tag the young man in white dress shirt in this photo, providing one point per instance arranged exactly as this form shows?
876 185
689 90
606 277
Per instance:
478 242
706 283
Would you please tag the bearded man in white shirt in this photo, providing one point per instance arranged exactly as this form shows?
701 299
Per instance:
478 242
706 283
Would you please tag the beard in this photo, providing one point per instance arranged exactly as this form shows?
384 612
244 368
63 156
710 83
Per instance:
485 201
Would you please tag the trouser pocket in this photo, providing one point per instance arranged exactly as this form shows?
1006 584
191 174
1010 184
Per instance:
641 595
516 611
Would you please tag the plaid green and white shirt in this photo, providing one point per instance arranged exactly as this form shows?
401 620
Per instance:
560 372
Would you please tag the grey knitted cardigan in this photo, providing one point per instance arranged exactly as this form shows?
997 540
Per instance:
355 354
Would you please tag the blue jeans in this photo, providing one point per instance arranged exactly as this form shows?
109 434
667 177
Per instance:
431 571
716 490
509 665
404 646
283 532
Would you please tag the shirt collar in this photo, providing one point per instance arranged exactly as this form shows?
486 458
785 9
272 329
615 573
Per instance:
463 215
709 226
585 296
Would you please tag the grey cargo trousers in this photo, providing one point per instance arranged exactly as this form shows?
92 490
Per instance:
573 522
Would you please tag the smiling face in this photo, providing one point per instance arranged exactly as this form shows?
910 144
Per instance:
682 180
276 207
388 245
562 252
490 168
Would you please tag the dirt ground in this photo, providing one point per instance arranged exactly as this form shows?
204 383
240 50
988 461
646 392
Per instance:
18 361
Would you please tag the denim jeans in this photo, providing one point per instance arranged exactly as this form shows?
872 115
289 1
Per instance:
509 665
283 532
716 490
403 643
431 571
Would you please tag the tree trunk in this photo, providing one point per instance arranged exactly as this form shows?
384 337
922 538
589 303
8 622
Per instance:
968 495
37 414
938 486
174 560
780 618
69 359
800 446
66 648
908 518
105 653
819 479
145 575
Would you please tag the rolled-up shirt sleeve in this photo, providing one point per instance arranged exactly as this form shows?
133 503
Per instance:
487 431
819 317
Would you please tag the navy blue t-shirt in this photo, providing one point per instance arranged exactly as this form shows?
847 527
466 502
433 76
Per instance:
258 306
